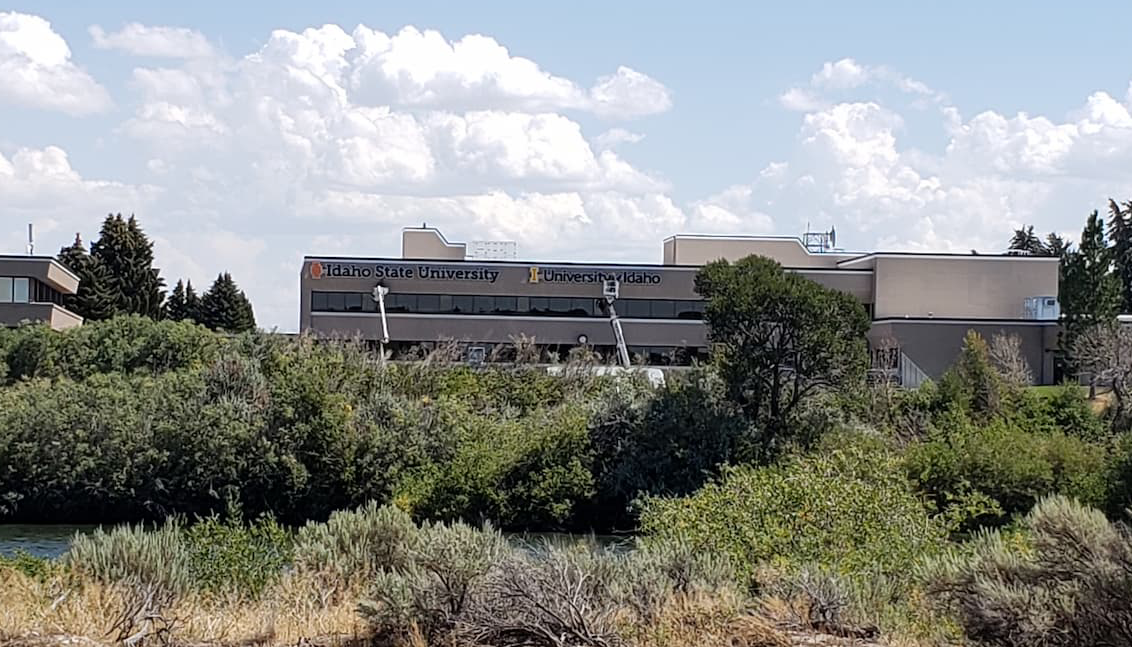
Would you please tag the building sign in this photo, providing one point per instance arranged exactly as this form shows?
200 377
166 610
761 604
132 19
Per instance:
560 275
378 271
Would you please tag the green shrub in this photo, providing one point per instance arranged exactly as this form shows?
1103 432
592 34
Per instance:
431 591
1064 581
1069 409
212 556
848 509
1013 468
158 557
229 556
354 546
30 565
527 472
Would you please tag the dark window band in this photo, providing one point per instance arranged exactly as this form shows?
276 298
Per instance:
399 303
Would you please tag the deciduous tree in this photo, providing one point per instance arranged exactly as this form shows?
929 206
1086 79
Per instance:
779 338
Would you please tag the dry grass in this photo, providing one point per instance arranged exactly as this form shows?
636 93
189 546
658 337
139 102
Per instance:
294 611
701 620
56 613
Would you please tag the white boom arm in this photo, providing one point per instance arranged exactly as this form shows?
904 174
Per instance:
610 290
379 293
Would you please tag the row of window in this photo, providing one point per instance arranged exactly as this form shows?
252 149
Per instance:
15 289
505 305
504 352
21 289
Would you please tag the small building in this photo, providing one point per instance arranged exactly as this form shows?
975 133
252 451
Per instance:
32 290
921 304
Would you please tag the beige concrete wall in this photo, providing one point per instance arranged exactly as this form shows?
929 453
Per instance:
430 244
700 250
43 268
14 314
960 287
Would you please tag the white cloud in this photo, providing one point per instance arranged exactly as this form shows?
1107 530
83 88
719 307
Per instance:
614 137
842 74
853 168
157 41
40 186
838 77
36 69
628 93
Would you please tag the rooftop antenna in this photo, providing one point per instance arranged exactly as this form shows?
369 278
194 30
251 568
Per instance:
31 240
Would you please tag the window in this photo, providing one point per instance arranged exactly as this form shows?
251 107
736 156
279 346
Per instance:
540 305
429 303
462 303
663 309
400 302
483 305
582 307
506 305
318 301
20 290
5 289
559 306
353 301
633 308
335 301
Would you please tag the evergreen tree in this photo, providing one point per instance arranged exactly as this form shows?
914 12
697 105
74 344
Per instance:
183 303
1025 240
1090 291
226 307
1057 246
127 254
192 303
95 298
1120 234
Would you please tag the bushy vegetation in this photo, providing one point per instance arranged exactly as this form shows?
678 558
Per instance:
847 509
1063 578
131 419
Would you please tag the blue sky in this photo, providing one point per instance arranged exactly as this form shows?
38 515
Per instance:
906 125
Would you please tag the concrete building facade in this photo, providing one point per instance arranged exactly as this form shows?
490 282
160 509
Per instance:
921 304
32 290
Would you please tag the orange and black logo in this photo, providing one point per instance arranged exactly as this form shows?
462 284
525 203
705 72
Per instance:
316 270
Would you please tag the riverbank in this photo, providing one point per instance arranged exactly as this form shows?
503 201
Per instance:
372 576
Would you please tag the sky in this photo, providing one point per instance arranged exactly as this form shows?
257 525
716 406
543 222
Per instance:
246 135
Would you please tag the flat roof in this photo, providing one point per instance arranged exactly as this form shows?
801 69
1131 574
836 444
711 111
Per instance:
41 259
521 263
945 255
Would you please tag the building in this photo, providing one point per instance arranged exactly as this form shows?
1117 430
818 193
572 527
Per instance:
32 290
921 305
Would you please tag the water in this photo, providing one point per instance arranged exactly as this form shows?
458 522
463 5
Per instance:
41 541
52 541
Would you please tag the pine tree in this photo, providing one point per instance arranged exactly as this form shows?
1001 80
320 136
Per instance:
1057 246
183 303
1090 291
1025 240
1120 234
95 298
226 307
192 303
127 256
